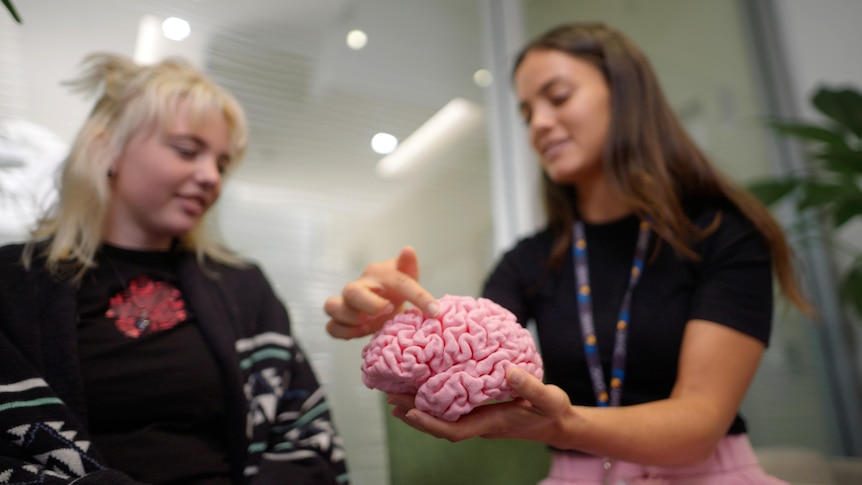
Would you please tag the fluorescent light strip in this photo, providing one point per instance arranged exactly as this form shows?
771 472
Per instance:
453 121
149 32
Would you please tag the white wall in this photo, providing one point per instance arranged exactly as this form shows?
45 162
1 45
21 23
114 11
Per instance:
823 42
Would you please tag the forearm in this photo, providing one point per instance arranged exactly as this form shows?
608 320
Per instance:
670 432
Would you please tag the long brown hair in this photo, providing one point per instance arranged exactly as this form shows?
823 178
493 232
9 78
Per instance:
649 156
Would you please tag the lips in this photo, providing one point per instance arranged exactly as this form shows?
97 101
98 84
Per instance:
551 150
194 204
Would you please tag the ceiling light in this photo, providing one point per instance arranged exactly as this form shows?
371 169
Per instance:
483 78
383 143
176 28
356 39
446 126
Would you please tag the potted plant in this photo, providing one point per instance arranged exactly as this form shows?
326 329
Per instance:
828 188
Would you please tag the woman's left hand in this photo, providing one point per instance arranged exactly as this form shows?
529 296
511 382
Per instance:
536 415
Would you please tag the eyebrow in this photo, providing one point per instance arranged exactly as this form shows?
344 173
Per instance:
187 137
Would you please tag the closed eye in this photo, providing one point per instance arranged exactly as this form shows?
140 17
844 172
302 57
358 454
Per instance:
559 100
186 153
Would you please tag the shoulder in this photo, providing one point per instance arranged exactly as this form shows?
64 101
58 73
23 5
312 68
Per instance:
525 261
246 281
11 265
703 211
728 227
538 243
246 268
11 253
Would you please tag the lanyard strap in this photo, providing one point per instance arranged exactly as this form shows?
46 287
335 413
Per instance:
585 312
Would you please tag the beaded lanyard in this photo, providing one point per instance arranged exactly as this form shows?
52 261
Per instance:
585 312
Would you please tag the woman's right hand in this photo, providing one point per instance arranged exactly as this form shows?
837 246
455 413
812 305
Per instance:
367 302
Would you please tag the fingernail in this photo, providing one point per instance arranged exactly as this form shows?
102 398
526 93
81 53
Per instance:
433 308
411 415
515 376
385 310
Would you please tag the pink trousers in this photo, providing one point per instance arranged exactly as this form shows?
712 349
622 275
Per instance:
733 463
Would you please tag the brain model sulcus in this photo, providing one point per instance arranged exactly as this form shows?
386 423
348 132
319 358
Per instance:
452 362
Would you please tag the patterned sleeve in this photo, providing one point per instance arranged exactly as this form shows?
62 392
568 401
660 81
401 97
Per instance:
40 440
290 423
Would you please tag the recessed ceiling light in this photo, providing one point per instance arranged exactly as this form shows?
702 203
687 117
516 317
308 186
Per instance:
483 78
383 143
356 39
176 28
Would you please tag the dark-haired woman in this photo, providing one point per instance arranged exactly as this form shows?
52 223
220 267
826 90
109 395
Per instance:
650 286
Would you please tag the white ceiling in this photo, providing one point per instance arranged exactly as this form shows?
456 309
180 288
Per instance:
313 104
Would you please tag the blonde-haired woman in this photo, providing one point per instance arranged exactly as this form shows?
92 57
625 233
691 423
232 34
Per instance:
134 347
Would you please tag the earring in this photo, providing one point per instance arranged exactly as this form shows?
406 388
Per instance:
110 172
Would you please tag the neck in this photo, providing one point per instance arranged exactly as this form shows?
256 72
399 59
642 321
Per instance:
600 203
118 232
142 242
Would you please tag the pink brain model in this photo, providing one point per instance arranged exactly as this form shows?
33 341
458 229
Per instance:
452 362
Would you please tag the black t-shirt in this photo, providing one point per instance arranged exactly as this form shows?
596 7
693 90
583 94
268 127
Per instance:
731 285
155 395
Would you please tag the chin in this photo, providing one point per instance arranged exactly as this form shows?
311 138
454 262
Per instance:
180 229
563 179
573 175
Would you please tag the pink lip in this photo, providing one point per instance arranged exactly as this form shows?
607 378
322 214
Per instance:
553 149
193 204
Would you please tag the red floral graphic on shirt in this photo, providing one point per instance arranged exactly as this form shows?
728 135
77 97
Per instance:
146 306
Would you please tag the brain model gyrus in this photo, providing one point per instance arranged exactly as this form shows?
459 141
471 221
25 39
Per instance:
452 362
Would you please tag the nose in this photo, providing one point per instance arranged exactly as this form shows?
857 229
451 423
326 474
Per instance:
541 121
208 172
542 116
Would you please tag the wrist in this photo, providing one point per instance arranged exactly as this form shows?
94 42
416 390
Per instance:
563 432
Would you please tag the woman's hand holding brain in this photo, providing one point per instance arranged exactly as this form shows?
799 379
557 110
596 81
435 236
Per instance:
452 362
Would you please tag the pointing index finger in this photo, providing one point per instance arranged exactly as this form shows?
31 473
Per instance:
412 291
407 283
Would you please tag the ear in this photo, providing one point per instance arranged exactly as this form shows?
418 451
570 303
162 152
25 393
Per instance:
100 145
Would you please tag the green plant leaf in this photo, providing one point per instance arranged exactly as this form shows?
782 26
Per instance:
11 9
818 194
845 161
772 190
846 209
843 105
809 132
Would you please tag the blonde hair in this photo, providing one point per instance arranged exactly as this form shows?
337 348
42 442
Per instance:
131 97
